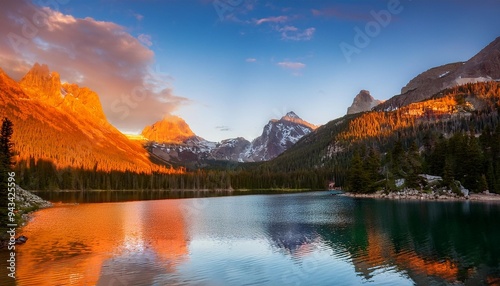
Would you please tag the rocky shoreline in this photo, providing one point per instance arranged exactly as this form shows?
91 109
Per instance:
412 194
26 203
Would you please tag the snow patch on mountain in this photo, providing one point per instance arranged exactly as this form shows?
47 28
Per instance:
277 136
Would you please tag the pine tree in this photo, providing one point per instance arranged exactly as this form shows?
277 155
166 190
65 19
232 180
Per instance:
6 163
448 176
6 145
473 164
483 184
372 166
414 166
358 179
397 155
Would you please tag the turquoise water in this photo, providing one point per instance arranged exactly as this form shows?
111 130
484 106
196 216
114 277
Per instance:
291 239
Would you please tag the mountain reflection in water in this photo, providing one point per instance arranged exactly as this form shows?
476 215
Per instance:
304 239
102 244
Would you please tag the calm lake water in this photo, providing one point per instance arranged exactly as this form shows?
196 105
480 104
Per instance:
293 239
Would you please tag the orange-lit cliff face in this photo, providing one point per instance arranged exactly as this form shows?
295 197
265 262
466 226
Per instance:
171 129
40 84
64 124
453 103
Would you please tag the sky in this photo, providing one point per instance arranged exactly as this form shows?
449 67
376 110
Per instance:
229 66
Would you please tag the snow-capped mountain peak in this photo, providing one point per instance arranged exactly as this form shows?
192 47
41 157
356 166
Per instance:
277 136
291 114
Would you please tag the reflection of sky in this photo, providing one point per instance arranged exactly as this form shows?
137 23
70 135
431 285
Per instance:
269 240
273 240
249 262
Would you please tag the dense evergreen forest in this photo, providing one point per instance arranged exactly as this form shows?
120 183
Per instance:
454 134
463 158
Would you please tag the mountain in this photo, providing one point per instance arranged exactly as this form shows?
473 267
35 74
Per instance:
194 151
63 125
484 66
465 108
278 136
171 129
40 84
363 102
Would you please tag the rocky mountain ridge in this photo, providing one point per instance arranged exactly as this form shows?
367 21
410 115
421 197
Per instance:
363 102
484 66
63 126
277 136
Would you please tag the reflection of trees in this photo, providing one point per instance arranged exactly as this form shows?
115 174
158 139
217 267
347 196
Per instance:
430 241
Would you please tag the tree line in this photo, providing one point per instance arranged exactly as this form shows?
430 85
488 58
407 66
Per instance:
439 136
472 160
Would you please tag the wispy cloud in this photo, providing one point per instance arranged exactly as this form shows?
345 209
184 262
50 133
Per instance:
294 67
145 39
97 54
223 128
250 60
277 19
351 13
232 10
138 16
295 34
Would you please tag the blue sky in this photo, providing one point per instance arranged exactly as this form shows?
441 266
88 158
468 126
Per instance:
228 66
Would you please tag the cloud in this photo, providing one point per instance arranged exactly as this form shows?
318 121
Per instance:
294 67
278 19
351 13
232 10
250 60
287 32
145 39
100 55
223 128
138 16
295 34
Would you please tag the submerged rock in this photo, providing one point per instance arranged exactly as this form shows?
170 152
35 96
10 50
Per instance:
21 240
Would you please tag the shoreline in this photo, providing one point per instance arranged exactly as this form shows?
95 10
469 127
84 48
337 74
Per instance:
181 190
414 195
26 204
115 196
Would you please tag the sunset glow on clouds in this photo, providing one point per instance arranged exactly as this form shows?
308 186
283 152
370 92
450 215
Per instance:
98 54
236 65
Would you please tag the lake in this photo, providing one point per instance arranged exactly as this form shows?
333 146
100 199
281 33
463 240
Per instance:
287 239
